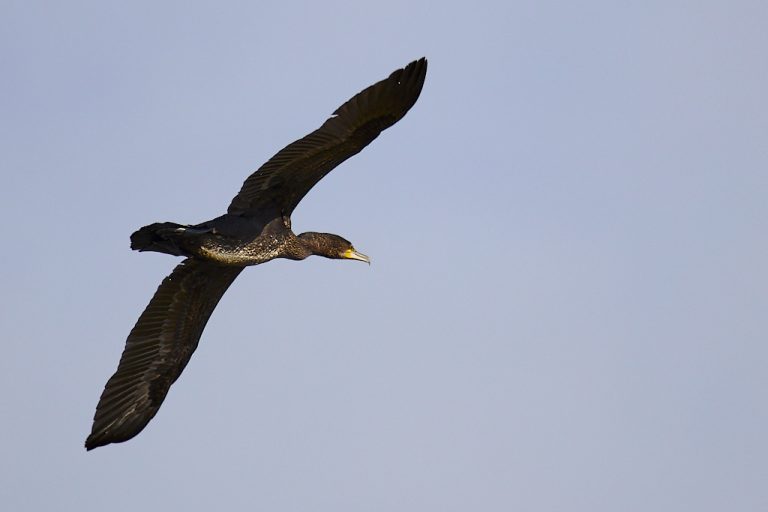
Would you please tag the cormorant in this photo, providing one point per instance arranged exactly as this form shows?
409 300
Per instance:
255 229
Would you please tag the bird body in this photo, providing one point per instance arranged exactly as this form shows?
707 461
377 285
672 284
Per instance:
255 229
237 242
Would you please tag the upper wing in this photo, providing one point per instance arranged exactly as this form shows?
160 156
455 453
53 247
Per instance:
285 179
158 348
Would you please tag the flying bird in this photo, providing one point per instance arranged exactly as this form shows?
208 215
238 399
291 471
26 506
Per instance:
255 229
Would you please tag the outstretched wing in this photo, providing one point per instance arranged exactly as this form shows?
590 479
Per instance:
286 178
158 348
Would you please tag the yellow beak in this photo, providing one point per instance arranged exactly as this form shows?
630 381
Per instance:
352 254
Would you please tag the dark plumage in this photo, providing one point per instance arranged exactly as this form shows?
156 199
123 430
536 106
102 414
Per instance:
255 229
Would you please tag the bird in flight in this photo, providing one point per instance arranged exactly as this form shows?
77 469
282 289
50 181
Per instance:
255 229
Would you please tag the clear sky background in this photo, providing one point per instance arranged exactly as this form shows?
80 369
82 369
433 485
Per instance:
568 304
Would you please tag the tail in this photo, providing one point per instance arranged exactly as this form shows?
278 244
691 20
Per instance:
159 237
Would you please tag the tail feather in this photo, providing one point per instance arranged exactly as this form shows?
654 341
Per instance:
159 237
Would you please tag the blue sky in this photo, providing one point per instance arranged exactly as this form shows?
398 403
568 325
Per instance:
567 304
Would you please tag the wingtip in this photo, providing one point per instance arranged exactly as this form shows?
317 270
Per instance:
90 444
420 62
417 67
96 439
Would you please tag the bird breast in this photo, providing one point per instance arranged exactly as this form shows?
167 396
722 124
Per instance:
241 254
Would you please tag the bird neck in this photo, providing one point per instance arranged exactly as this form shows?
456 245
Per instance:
318 244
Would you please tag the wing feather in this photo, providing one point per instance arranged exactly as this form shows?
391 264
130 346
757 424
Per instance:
279 185
158 348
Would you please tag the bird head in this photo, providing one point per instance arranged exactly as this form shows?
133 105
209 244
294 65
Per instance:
331 246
